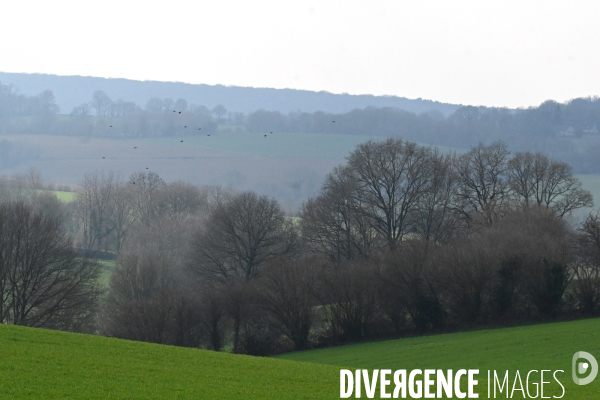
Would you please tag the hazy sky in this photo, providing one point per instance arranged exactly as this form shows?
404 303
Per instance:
502 53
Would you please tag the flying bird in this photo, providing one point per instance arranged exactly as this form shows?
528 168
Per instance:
146 167
207 135
111 126
333 122
103 158
135 147
182 141
179 112
185 126
199 128
265 135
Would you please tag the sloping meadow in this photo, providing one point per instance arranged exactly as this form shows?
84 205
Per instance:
526 348
44 364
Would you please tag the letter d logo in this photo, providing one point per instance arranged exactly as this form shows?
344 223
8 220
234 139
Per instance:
582 368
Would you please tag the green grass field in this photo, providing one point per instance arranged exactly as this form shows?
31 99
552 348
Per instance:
37 363
108 267
66 197
545 346
42 364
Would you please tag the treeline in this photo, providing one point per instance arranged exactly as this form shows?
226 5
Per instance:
102 116
551 127
401 240
568 131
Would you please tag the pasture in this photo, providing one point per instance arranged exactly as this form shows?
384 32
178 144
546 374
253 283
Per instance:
44 364
65 197
288 166
108 267
544 346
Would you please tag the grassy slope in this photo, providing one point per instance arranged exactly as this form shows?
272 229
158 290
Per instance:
547 346
37 363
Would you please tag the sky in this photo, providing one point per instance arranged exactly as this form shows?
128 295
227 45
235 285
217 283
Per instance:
492 53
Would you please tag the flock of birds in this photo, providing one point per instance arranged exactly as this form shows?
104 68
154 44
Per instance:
181 141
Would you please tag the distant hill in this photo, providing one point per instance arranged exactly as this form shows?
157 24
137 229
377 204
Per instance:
71 91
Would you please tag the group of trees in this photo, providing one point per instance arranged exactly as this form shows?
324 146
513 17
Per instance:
43 280
394 189
401 239
161 117
551 127
102 116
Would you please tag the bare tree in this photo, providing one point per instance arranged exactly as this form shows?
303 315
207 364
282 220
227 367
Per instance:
43 282
149 296
349 295
219 111
590 235
483 188
141 300
468 274
411 287
285 291
26 186
145 189
586 282
101 103
95 205
436 218
332 223
121 218
239 236
391 177
181 105
212 317
178 200
537 180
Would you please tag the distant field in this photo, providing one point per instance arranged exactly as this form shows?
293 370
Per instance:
290 167
108 267
546 346
286 165
66 197
592 183
43 364
277 145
